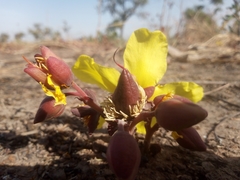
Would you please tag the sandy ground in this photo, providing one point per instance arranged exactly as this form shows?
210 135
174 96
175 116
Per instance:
61 149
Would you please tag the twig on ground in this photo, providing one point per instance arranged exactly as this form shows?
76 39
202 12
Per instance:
217 89
29 132
211 82
225 101
214 127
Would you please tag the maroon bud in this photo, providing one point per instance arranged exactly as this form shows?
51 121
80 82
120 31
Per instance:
93 121
60 71
36 73
158 99
46 52
38 56
176 114
149 91
90 116
126 93
123 155
48 110
164 97
82 111
189 139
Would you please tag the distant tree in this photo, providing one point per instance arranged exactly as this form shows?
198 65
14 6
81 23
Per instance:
4 37
66 28
47 32
111 29
56 36
198 26
43 33
121 10
233 18
36 31
19 36
198 14
216 2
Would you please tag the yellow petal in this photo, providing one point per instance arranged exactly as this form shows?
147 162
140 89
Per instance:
88 71
175 135
145 56
57 93
100 122
141 126
190 90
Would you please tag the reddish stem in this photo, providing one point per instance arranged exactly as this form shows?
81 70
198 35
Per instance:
86 99
81 93
149 133
89 101
116 61
142 116
72 93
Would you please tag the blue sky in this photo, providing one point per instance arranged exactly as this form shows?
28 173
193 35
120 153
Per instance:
81 16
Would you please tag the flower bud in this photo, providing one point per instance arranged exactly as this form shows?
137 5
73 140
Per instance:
149 91
46 52
91 117
36 73
158 99
48 110
60 71
126 93
123 155
176 114
189 139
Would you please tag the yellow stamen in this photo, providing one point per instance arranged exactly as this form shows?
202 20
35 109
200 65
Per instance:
41 63
168 96
112 114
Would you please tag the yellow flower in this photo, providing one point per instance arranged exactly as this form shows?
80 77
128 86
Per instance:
145 58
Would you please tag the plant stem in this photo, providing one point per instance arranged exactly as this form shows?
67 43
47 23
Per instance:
86 99
149 133
81 93
141 117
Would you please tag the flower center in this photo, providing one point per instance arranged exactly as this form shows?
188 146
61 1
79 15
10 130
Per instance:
112 114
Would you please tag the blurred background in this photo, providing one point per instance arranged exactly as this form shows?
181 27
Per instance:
183 21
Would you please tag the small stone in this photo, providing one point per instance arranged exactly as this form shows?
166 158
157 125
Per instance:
11 159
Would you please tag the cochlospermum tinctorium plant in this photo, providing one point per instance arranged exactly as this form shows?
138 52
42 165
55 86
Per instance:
137 102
